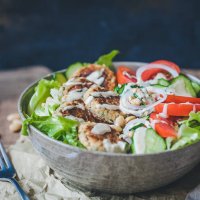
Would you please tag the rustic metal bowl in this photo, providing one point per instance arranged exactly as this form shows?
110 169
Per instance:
110 172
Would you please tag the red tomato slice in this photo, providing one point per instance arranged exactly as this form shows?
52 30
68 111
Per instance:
149 74
164 126
165 130
125 75
175 109
182 99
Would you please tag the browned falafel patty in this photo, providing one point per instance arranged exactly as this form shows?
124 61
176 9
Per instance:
99 74
103 104
107 139
75 110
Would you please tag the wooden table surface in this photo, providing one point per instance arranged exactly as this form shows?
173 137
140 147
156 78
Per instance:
12 83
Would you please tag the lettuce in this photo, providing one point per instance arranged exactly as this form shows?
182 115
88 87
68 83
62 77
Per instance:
56 127
194 120
186 140
42 91
107 58
189 130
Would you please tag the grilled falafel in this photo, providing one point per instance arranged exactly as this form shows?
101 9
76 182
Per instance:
99 74
103 104
100 137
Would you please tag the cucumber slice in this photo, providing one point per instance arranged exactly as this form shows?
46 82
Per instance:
60 77
72 69
182 86
163 82
196 87
154 143
132 147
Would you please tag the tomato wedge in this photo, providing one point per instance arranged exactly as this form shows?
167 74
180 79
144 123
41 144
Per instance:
125 75
149 74
177 109
182 99
163 126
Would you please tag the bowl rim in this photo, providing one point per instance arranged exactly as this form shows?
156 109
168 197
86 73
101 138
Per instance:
99 153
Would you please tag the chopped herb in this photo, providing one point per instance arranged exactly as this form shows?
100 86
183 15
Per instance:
135 95
136 86
120 89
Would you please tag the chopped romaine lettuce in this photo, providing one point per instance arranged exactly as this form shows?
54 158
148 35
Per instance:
107 58
194 120
42 91
189 131
60 77
56 127
169 142
187 140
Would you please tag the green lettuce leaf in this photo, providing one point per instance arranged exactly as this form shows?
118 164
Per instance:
107 58
194 120
190 132
56 127
169 141
42 91
190 136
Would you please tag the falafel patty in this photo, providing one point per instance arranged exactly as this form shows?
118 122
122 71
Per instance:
75 88
72 105
103 104
100 137
75 110
99 74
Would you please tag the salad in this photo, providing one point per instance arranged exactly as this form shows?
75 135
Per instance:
93 106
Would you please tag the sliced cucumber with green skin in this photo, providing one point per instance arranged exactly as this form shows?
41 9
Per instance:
163 82
60 77
72 69
182 86
132 146
196 87
154 143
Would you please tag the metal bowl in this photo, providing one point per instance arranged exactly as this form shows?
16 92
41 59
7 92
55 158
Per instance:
110 172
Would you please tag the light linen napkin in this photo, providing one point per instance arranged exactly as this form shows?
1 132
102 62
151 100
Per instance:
41 183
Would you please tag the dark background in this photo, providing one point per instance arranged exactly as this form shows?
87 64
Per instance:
57 33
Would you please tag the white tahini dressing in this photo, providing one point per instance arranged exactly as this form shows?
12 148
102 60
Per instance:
72 82
74 118
164 112
88 100
104 94
140 140
80 106
74 95
100 129
96 77
108 106
119 147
